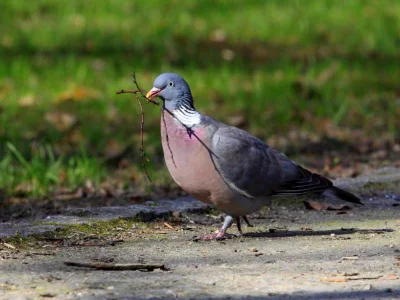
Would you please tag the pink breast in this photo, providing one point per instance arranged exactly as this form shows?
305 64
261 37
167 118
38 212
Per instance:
191 135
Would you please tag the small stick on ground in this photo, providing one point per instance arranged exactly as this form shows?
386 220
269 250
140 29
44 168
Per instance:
117 267
365 278
345 279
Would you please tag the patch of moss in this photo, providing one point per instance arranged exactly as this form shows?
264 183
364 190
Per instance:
97 228
94 228
22 242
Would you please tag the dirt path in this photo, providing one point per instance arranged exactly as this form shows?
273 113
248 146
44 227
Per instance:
291 252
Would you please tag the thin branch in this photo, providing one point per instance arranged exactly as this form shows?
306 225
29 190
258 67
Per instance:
128 91
136 83
166 136
143 156
142 92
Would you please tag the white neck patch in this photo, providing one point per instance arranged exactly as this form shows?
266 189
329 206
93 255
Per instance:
187 117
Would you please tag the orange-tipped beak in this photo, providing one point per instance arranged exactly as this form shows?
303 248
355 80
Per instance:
153 93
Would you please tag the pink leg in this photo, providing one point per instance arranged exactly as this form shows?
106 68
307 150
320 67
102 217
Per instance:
216 236
221 233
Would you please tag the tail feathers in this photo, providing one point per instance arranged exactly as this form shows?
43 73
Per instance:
341 194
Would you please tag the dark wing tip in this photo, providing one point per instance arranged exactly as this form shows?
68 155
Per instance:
346 196
306 183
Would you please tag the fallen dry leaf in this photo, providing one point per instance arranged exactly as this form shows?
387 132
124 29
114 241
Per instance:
218 35
24 188
350 258
114 149
333 279
89 188
351 274
26 101
61 120
391 277
306 229
75 136
68 195
253 250
78 94
340 171
324 206
48 295
10 246
168 226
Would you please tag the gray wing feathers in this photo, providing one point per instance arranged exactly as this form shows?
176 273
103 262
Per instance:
246 162
258 170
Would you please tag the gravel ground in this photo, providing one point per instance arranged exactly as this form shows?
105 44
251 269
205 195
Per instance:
291 253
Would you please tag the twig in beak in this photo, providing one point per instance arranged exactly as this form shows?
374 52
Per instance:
143 156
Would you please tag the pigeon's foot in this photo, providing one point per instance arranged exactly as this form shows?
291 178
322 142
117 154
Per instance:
216 236
221 234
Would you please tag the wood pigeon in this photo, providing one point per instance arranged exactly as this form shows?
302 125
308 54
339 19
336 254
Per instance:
224 165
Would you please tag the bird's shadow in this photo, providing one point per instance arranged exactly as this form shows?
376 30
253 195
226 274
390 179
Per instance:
335 232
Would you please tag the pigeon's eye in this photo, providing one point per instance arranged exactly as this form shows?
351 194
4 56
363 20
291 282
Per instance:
170 83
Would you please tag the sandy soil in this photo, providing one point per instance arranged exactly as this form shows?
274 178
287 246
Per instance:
291 253
305 256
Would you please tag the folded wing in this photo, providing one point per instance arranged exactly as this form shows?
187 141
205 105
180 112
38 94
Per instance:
256 170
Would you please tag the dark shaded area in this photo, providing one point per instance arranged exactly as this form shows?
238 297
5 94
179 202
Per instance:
183 51
36 208
342 231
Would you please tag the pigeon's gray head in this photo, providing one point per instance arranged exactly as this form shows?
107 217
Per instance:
172 89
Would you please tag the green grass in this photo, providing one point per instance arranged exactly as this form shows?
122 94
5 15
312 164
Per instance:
295 65
43 173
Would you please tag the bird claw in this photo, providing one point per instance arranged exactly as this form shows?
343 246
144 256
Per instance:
219 236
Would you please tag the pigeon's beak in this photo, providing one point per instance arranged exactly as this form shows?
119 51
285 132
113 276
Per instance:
153 93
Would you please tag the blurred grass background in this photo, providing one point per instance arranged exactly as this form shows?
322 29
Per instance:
293 73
